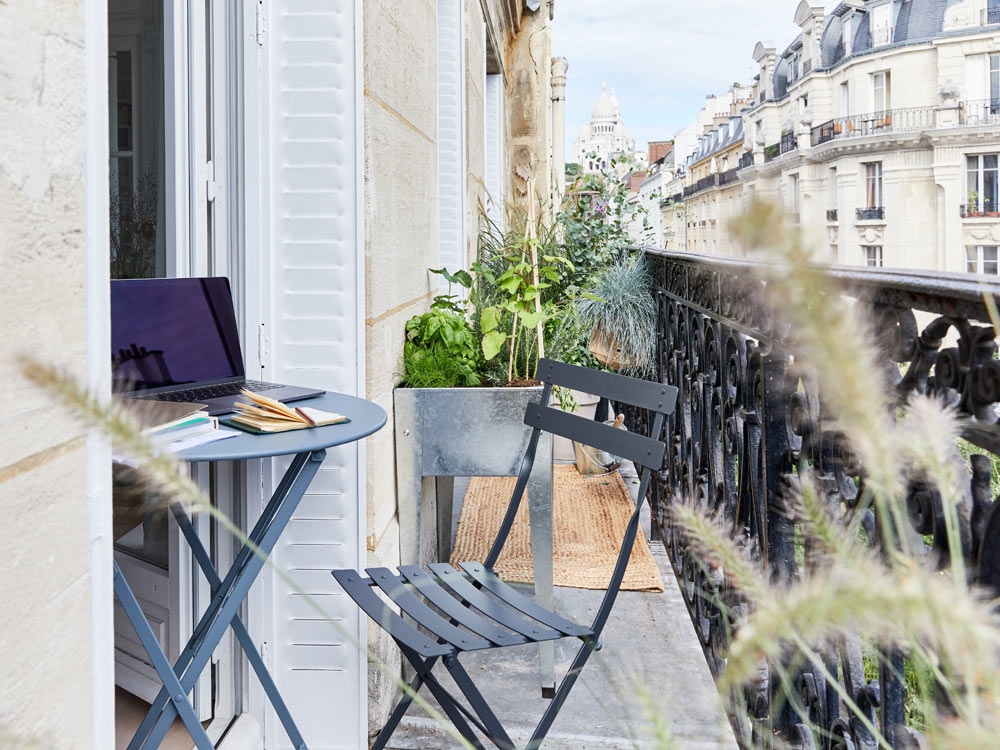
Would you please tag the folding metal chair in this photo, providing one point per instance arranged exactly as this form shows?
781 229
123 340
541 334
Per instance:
472 609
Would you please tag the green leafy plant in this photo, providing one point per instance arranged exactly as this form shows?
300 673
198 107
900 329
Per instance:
516 322
441 349
594 219
619 310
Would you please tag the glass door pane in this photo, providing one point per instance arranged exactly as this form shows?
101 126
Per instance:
136 112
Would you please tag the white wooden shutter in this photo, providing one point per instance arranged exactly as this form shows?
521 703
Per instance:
494 147
451 136
976 78
313 281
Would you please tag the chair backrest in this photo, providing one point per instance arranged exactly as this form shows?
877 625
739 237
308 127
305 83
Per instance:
645 451
642 450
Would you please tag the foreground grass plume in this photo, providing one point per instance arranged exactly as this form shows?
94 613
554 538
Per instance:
160 476
892 592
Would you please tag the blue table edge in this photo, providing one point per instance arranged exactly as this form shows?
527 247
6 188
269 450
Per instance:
365 418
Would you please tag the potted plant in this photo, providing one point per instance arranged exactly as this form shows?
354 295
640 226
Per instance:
972 207
441 348
619 309
466 382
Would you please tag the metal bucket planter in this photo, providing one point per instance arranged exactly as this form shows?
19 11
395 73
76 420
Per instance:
469 432
586 407
462 432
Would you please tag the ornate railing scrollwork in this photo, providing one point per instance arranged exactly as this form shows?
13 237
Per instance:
749 417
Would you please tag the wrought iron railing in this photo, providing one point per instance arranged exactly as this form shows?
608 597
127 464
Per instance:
831 214
788 143
980 112
985 207
874 123
747 416
807 66
873 213
673 200
991 16
710 181
772 152
728 177
746 160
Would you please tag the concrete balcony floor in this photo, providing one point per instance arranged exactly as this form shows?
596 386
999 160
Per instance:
651 672
650 648
129 713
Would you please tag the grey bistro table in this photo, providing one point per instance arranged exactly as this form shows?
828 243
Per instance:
309 449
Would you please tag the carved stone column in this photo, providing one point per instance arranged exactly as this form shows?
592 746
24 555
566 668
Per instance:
559 67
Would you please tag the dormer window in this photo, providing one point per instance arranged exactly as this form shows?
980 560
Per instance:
881 25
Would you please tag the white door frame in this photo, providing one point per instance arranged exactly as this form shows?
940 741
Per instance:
98 332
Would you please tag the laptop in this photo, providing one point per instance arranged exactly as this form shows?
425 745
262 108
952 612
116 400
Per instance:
177 340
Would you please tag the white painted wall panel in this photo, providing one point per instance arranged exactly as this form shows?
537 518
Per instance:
314 270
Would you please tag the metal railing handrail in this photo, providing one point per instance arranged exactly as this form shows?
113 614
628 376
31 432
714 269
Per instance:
874 123
979 111
939 292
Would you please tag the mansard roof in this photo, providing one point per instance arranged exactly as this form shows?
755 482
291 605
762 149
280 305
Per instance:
718 139
915 21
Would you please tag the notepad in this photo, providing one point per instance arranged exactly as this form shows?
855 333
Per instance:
264 415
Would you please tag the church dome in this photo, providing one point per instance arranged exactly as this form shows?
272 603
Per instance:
603 109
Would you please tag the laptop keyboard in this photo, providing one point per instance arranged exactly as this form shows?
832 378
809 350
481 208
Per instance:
214 391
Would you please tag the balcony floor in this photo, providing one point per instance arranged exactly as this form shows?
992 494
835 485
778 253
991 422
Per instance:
649 641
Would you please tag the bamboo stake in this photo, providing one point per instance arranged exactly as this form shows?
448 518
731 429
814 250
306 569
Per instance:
513 330
533 235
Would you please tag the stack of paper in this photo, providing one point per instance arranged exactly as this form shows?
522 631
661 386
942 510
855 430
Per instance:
174 426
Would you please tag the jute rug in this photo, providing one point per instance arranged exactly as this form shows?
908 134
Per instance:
589 517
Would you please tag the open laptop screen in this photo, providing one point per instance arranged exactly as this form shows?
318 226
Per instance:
167 332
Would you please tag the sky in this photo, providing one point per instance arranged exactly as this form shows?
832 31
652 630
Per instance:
662 57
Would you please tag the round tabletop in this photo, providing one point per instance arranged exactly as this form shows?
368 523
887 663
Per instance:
365 418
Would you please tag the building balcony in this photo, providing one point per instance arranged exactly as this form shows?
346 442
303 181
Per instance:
983 208
874 123
980 112
990 16
831 214
752 415
787 143
772 152
746 160
704 183
728 177
872 213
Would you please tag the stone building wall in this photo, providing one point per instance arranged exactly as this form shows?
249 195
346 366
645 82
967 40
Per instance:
401 231
45 638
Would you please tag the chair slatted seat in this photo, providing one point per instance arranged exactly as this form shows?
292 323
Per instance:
470 608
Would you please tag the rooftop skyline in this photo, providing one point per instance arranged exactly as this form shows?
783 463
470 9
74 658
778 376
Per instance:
664 59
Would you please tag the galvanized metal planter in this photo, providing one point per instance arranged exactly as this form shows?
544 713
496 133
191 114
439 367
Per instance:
463 432
469 432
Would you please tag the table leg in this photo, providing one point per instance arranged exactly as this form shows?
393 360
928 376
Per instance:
160 662
242 634
234 589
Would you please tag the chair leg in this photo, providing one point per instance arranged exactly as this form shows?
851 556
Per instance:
497 734
452 708
400 710
568 681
